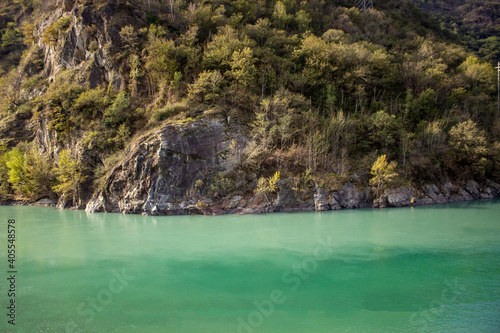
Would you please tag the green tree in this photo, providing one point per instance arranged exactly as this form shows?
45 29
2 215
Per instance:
29 171
16 169
303 20
162 59
242 67
4 171
63 24
490 48
340 137
382 173
477 73
92 103
29 34
129 38
468 140
116 112
424 69
69 176
219 51
50 36
407 143
207 86
469 145
384 129
39 175
10 35
135 74
280 14
432 134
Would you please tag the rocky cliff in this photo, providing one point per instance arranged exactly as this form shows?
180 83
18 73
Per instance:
167 172
158 175
87 41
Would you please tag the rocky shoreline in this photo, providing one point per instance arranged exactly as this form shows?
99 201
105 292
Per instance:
186 168
352 197
162 172
286 200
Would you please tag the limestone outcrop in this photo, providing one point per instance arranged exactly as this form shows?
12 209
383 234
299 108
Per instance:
158 174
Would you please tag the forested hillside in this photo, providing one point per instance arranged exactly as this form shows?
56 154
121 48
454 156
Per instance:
316 91
474 23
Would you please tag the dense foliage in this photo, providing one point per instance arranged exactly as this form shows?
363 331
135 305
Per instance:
319 87
475 23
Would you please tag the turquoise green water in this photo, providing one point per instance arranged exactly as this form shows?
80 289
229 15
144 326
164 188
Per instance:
424 269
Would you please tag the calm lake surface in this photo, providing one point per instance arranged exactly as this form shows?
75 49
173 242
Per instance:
423 269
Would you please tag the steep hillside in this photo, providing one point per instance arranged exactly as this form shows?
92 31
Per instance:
475 23
167 107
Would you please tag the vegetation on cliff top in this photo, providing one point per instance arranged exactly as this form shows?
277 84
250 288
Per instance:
319 87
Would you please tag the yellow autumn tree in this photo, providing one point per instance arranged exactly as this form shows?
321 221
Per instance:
268 185
382 172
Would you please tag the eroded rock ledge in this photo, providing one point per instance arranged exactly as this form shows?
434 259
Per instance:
159 175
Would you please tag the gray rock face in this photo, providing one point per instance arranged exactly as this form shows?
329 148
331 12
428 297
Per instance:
351 197
348 197
473 188
398 197
434 193
320 201
335 201
449 189
90 42
45 203
158 174
286 195
494 187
